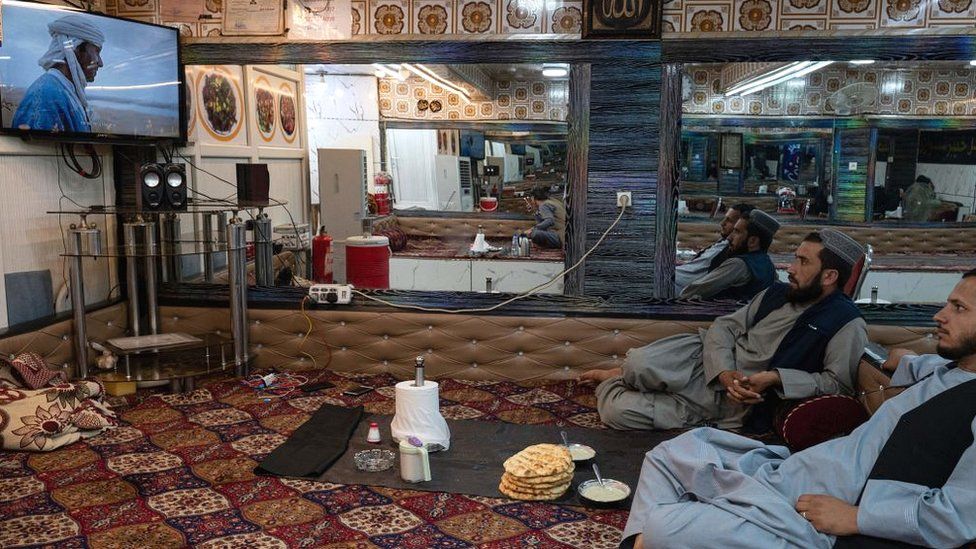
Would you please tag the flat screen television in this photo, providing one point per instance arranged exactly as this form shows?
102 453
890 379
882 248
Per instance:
131 88
473 144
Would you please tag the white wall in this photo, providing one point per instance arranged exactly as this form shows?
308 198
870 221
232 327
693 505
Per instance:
412 155
31 238
342 112
953 182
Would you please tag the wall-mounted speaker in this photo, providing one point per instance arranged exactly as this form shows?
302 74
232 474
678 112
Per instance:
175 177
150 184
253 184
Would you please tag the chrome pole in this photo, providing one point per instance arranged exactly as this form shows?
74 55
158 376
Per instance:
208 247
172 262
263 253
84 240
152 262
237 270
132 235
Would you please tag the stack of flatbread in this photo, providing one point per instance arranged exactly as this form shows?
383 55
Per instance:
539 473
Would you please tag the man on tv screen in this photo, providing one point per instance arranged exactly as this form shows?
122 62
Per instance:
56 101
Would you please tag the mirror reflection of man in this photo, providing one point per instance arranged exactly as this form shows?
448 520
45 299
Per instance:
550 220
56 101
713 256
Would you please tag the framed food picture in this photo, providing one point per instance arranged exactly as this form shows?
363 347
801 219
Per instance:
731 151
288 112
191 105
220 104
265 106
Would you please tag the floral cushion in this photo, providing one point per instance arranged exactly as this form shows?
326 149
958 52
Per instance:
45 419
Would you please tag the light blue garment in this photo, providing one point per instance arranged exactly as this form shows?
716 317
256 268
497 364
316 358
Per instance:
51 104
693 269
710 488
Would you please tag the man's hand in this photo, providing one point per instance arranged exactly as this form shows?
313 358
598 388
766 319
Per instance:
828 514
894 357
737 388
764 380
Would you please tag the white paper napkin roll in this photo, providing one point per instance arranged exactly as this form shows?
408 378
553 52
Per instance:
418 414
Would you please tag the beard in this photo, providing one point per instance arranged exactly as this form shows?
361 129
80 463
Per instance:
805 294
966 347
741 249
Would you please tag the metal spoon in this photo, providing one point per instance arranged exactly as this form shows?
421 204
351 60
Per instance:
596 471
565 440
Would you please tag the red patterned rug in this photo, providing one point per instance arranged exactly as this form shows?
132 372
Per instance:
179 472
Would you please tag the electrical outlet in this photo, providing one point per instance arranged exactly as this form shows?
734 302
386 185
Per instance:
624 199
331 293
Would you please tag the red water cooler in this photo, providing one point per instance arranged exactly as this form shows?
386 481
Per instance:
368 261
322 257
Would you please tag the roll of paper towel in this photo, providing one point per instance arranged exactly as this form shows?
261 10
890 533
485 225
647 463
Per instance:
418 414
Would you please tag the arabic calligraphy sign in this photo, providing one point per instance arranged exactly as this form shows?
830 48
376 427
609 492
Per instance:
622 19
947 147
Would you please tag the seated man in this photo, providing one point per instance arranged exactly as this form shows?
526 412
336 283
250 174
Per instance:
748 270
796 340
550 220
712 256
908 475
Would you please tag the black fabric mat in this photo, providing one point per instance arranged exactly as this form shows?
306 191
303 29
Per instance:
473 465
315 445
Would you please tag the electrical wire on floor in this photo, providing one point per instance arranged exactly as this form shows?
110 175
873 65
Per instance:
275 384
308 332
524 295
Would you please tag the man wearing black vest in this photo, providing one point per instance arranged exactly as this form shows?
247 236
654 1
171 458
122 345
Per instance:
792 341
711 257
906 478
748 270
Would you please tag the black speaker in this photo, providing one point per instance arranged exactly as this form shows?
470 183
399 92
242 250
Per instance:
174 176
253 182
150 182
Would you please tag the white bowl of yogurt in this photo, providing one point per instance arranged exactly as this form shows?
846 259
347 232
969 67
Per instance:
611 493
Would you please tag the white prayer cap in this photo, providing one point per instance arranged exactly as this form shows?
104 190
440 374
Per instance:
848 249
77 26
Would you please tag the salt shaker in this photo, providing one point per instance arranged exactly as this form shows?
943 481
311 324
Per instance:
374 433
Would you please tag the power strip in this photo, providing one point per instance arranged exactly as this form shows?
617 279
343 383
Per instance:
332 294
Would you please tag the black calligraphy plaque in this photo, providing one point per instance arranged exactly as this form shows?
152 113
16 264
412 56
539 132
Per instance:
631 19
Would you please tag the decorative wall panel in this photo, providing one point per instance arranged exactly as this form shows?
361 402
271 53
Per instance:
942 90
414 98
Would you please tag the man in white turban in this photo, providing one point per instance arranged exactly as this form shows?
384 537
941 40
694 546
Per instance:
56 101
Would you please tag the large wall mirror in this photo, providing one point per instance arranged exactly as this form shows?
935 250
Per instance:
884 150
426 155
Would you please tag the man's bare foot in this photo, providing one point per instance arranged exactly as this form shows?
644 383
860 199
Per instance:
595 377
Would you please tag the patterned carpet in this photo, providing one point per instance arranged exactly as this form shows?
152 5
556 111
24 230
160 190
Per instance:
179 472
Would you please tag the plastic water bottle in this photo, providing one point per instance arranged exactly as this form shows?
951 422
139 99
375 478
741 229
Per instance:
515 244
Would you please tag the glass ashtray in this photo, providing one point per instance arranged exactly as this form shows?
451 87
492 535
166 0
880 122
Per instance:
374 460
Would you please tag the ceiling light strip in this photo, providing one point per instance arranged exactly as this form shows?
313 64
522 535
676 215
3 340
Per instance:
768 77
432 77
800 69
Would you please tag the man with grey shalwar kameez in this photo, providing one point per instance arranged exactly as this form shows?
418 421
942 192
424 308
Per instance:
790 342
906 478
550 220
711 257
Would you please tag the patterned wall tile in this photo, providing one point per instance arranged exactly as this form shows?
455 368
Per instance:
359 25
902 13
707 17
755 15
389 17
186 29
133 7
673 6
433 17
793 24
803 7
952 9
862 10
671 22
413 99
522 16
477 17
210 28
851 26
565 18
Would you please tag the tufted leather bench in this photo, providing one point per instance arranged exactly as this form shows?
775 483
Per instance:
460 346
884 240
453 227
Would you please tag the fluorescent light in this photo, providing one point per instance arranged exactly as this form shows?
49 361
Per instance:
973 62
385 71
793 70
862 61
554 72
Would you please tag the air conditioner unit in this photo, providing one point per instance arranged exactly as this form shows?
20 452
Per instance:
452 175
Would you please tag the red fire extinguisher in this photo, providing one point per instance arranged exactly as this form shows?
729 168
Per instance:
322 257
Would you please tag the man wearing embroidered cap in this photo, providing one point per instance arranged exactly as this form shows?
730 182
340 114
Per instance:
56 101
792 341
748 270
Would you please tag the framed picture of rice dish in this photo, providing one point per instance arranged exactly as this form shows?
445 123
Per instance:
288 112
220 104
265 108
191 110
